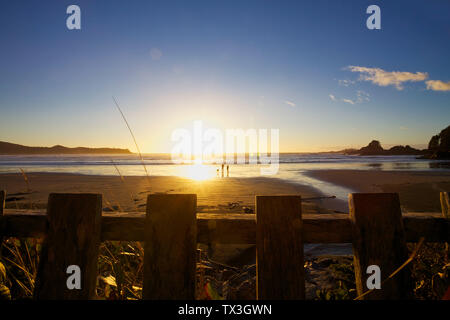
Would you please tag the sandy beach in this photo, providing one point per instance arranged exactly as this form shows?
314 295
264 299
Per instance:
129 193
418 190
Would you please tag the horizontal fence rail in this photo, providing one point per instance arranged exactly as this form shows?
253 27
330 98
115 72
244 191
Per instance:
229 228
74 225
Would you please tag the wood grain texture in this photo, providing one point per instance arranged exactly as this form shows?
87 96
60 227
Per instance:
2 201
445 205
229 228
379 239
432 228
73 238
170 247
279 245
129 227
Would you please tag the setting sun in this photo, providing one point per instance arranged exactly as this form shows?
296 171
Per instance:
198 171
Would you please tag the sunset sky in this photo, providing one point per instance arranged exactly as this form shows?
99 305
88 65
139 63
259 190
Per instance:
310 69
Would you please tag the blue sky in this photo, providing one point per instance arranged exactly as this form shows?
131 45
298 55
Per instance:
232 64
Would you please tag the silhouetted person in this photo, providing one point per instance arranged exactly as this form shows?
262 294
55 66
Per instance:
222 170
228 170
217 172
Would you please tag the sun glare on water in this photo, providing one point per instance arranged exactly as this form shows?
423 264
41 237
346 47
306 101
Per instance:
194 167
199 171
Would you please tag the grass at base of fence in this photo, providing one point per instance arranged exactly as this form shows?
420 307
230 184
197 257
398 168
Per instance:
19 258
345 288
121 263
431 271
120 270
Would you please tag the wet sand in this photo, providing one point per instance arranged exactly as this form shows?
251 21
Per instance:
418 190
129 193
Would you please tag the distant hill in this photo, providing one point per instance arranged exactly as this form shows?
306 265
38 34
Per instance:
374 148
12 148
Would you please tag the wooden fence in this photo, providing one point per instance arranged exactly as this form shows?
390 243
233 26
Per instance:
74 226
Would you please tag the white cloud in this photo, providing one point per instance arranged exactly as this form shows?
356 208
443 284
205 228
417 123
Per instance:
348 101
289 103
438 85
361 97
155 53
385 78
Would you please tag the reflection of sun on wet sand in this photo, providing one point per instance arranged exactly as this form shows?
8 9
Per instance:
213 194
418 190
197 172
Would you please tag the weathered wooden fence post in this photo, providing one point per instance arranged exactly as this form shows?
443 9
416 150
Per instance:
73 238
170 247
2 205
2 201
445 205
379 239
279 247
